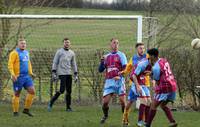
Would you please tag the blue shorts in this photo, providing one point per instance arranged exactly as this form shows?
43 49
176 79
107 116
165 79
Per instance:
22 81
165 96
133 94
114 86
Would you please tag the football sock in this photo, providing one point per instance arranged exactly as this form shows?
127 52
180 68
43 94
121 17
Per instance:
151 115
123 107
28 101
141 112
15 103
126 114
105 111
147 108
168 113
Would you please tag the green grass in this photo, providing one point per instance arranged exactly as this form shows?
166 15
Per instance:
85 116
77 11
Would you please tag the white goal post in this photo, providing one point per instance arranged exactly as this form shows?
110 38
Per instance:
139 19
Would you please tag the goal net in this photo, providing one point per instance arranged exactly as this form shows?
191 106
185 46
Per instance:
89 36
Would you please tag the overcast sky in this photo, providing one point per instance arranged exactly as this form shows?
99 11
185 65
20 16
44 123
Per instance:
108 1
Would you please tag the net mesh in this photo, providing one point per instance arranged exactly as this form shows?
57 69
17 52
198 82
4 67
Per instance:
89 38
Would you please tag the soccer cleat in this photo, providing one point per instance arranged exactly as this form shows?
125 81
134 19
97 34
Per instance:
69 110
147 125
27 112
125 121
103 119
49 108
15 114
173 125
140 123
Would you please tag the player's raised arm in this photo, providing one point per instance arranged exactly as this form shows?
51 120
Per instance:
102 65
128 68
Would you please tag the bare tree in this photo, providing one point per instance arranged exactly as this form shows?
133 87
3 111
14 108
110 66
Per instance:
166 28
6 7
88 67
190 30
6 25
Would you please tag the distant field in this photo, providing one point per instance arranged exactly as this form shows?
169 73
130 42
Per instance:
77 11
83 33
85 116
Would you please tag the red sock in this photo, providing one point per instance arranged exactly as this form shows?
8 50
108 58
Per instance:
168 113
146 113
151 115
141 112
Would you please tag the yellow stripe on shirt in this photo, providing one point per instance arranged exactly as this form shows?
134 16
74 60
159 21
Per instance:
13 63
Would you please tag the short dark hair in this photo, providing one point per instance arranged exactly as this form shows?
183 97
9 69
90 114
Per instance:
113 39
21 38
153 52
65 39
138 44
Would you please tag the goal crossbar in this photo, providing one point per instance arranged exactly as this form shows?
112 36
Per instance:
71 16
88 17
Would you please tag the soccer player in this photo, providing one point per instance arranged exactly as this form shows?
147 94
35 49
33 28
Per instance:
165 87
113 63
20 69
63 62
145 99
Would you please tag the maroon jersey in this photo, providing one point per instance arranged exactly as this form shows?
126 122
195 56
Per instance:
114 63
140 70
166 82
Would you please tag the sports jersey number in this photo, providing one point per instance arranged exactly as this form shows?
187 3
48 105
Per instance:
167 69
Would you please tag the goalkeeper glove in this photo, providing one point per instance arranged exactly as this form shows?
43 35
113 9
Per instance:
54 76
75 77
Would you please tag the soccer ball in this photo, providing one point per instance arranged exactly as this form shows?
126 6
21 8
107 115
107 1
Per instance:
195 43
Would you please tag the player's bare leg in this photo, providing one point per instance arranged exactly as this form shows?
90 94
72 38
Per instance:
122 100
105 107
29 100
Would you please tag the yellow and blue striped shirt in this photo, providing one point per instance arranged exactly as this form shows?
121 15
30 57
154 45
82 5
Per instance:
19 63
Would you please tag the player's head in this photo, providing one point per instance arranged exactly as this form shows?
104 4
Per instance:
140 48
114 44
153 55
66 43
22 43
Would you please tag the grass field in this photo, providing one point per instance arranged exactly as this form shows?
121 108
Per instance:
47 34
85 116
